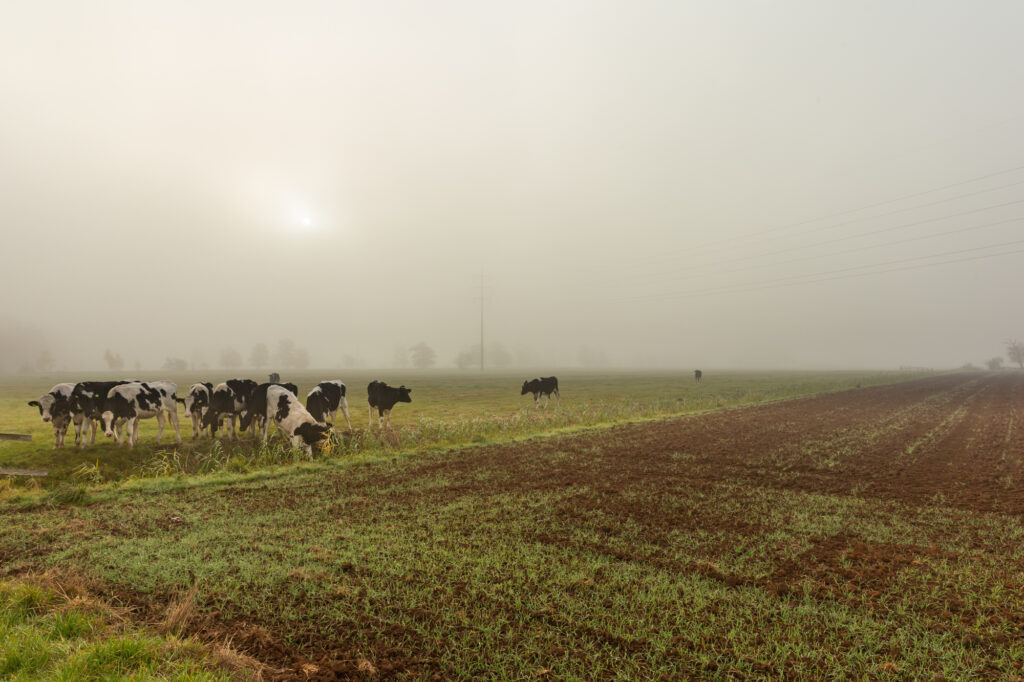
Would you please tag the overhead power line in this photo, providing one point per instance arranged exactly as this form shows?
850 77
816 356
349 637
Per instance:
827 275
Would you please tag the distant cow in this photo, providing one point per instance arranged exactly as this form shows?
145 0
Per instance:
293 421
197 403
543 386
256 406
55 408
698 375
128 403
229 400
326 399
87 401
383 397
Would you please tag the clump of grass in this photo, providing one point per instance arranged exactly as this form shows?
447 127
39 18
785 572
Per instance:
55 631
66 494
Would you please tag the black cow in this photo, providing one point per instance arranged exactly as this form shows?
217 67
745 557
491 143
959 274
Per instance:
326 399
87 400
383 397
542 386
698 375
229 401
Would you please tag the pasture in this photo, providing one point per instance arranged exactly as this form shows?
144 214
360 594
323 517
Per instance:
448 410
867 533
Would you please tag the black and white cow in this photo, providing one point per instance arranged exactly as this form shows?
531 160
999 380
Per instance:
326 399
383 397
698 375
255 409
543 386
293 420
128 403
55 408
230 400
87 407
197 404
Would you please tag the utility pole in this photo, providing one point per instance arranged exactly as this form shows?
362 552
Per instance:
481 320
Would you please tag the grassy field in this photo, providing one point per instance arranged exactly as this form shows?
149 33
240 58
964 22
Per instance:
448 409
866 534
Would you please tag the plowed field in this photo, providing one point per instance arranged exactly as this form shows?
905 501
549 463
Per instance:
873 532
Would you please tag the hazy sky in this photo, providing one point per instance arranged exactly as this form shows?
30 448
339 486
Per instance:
678 184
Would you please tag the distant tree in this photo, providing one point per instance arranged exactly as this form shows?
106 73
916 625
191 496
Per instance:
176 365
968 366
259 356
423 356
468 357
1015 351
995 364
113 360
45 361
230 358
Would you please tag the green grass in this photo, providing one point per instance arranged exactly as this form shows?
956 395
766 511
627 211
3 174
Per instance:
45 634
448 410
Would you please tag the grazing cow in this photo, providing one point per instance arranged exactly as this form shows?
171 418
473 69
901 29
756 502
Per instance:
229 400
325 399
87 406
543 386
55 408
197 404
256 406
128 403
698 375
293 421
383 398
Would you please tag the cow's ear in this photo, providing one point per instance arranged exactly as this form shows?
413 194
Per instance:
34 403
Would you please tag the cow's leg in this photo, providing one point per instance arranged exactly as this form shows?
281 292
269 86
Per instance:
160 421
371 416
93 426
344 411
547 400
536 399
173 414
131 431
58 442
231 426
195 425
79 429
558 398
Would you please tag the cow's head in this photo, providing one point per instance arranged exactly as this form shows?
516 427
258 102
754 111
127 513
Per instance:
403 394
311 433
107 419
210 418
50 406
526 388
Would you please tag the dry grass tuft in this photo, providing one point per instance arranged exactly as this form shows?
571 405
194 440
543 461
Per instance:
238 663
180 612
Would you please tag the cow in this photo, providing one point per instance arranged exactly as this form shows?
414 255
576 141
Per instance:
128 403
229 400
543 386
698 375
55 408
383 398
293 421
87 400
256 406
325 399
197 404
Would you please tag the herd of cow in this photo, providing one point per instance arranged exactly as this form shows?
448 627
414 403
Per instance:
117 405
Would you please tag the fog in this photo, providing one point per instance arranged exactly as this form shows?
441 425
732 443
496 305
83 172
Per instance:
797 184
